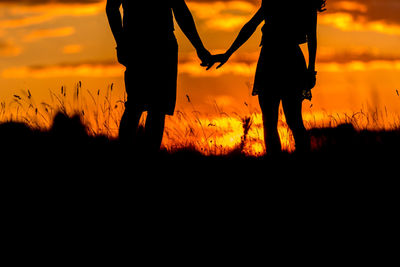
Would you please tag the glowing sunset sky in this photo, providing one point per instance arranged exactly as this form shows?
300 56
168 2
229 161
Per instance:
45 44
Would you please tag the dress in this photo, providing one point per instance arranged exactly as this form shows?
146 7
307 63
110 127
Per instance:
281 69
152 52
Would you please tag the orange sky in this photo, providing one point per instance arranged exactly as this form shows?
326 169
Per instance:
48 44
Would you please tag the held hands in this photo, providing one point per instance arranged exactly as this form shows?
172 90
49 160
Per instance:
208 60
220 58
205 56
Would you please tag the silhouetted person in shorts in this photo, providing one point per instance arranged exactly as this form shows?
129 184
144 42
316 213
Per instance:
147 46
282 73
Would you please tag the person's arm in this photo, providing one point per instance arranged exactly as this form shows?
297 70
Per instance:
115 19
312 51
312 42
186 22
245 33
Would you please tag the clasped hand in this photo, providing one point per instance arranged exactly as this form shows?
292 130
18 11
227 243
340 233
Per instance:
208 60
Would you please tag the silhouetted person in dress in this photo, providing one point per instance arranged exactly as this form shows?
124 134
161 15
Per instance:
147 46
282 73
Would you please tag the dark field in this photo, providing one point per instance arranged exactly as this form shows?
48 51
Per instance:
67 143
65 185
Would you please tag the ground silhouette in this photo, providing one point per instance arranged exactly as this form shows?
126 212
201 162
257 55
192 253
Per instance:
64 180
67 144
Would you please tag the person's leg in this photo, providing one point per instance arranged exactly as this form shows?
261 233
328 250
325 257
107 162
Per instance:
270 111
129 124
292 107
130 119
154 129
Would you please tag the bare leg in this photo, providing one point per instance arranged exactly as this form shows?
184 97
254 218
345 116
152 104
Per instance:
129 125
130 119
270 110
292 106
154 129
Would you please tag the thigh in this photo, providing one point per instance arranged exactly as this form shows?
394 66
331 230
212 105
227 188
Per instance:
269 105
292 107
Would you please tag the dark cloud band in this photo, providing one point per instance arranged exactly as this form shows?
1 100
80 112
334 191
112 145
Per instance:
383 10
41 2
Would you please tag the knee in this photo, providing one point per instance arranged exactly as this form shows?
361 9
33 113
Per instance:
132 108
128 108
297 127
270 126
298 132
156 113
295 123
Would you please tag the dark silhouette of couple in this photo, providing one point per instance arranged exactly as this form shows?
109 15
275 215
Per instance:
147 46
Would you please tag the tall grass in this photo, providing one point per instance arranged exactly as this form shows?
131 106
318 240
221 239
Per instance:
217 134
99 111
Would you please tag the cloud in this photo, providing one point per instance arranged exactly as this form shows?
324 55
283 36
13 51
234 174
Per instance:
381 10
235 68
350 6
42 2
222 15
361 54
9 49
72 49
356 59
49 33
360 66
89 69
110 69
364 15
348 22
34 13
347 15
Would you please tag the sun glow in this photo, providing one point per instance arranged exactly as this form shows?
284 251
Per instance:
347 22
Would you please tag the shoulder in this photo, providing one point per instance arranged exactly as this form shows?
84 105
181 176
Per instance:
174 3
116 3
